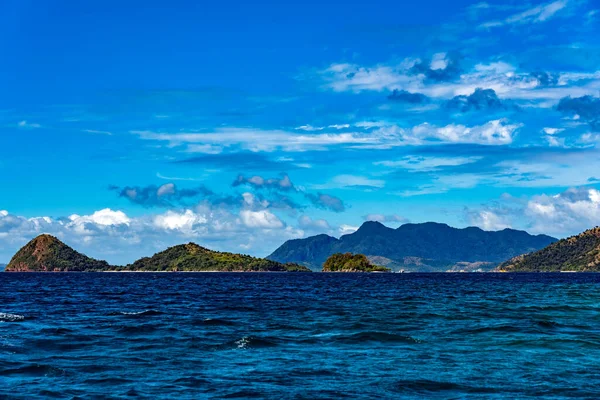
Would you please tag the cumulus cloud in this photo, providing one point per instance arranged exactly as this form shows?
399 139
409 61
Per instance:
283 183
413 78
442 67
308 223
113 235
260 219
586 107
404 96
326 202
496 132
571 211
488 220
480 99
167 195
563 214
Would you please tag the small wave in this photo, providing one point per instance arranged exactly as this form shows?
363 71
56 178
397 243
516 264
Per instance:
252 342
4 317
247 343
135 314
382 337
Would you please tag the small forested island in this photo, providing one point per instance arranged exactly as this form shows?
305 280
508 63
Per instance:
349 262
191 257
580 253
47 253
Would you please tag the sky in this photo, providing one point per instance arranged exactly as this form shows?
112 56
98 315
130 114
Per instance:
128 127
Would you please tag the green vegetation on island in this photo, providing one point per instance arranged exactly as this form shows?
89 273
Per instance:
48 254
191 257
580 253
349 262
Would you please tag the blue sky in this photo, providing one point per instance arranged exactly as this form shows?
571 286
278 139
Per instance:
130 126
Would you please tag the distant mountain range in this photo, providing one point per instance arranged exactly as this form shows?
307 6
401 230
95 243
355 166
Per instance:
579 253
46 253
427 247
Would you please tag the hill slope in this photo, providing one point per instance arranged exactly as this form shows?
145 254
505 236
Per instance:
351 263
415 247
578 253
191 257
46 253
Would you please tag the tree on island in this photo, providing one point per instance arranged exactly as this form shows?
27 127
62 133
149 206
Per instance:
349 262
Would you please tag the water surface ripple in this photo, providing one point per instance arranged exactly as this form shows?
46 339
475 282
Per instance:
299 336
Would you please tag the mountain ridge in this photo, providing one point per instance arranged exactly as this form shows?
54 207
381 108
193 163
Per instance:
579 253
428 246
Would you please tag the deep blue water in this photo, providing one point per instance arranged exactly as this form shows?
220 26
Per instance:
299 336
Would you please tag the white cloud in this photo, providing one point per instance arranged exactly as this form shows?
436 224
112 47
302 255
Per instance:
503 78
106 217
494 132
107 133
255 140
306 222
536 14
119 238
571 211
393 218
347 229
427 164
349 181
260 219
28 125
185 222
488 220
166 189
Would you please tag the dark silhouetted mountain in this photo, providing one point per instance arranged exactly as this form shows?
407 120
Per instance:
579 253
415 247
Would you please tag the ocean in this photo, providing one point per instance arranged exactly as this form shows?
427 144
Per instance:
299 336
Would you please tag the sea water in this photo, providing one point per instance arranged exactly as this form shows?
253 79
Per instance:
299 336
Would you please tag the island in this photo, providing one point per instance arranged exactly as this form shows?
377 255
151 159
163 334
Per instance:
349 262
580 253
47 253
426 247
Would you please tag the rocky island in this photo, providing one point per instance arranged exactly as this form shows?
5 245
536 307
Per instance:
47 253
580 253
349 262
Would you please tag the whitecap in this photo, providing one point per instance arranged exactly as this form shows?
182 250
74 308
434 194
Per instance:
4 317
